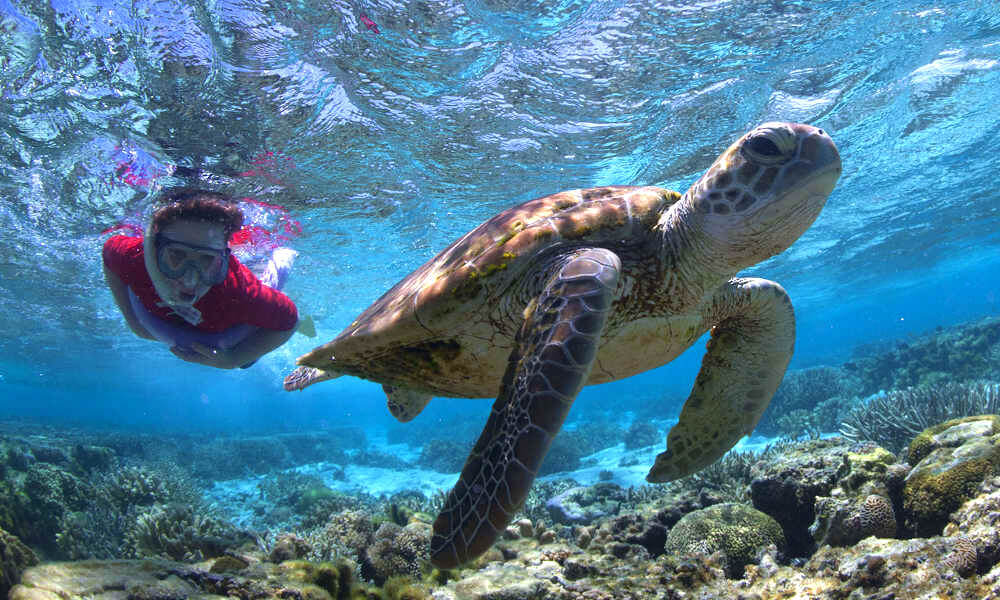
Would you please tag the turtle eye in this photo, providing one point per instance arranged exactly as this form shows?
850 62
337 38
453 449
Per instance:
763 146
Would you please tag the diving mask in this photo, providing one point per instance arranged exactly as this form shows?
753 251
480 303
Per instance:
175 259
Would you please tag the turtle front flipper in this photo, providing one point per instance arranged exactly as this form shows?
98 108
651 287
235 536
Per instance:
303 377
552 357
752 342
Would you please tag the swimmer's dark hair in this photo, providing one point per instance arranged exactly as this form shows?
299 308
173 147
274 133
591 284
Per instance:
197 205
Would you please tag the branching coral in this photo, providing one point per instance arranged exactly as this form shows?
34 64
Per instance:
178 532
347 533
396 551
730 475
894 418
804 397
135 486
95 533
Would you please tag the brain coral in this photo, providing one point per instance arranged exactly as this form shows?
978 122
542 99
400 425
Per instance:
738 531
876 517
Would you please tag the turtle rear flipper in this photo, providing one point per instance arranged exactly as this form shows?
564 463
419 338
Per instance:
752 342
303 377
554 351
404 403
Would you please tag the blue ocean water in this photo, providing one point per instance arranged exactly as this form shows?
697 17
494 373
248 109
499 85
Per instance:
387 146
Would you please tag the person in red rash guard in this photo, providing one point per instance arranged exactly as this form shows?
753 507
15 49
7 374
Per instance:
180 284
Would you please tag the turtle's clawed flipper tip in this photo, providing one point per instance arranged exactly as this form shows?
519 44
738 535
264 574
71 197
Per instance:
302 377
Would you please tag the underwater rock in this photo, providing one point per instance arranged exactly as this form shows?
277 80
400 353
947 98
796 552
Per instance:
505 581
103 580
15 557
915 568
92 458
584 505
978 523
633 530
738 531
865 499
160 580
843 521
952 460
288 547
229 564
786 486
17 458
52 455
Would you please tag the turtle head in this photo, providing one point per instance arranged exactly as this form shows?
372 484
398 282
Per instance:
765 190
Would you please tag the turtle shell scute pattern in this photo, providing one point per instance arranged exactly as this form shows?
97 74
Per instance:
468 269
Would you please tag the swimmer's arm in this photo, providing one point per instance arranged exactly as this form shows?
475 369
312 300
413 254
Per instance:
120 293
245 353
255 345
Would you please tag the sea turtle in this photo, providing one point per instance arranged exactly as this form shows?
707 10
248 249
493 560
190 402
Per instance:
588 286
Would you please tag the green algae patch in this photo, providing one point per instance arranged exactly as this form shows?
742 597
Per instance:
869 464
955 458
336 579
927 440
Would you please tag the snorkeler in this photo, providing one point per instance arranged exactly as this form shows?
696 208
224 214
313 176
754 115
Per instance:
181 285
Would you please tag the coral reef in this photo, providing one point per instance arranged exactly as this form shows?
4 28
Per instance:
959 354
572 444
731 475
844 521
445 456
461 428
864 501
374 458
240 456
975 527
893 418
837 498
15 557
641 434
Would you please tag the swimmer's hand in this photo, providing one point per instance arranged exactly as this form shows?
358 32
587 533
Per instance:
206 355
